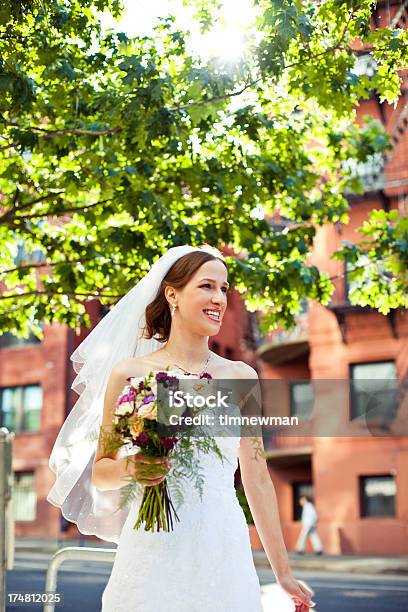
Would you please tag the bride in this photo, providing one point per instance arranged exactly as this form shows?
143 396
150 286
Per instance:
205 563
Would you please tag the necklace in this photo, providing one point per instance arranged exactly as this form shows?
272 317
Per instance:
184 370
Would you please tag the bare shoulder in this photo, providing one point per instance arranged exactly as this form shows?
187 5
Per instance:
245 370
235 369
131 366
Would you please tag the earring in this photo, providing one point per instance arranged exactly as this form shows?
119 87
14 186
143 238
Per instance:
173 309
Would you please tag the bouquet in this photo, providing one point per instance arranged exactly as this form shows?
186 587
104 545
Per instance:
135 424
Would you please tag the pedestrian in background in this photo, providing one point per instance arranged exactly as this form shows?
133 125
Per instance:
309 528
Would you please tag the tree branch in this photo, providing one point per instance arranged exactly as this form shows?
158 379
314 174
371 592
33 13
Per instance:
69 294
78 131
50 133
43 264
337 47
15 208
13 145
215 98
48 213
53 213
346 26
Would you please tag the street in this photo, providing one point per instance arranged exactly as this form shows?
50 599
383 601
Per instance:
81 586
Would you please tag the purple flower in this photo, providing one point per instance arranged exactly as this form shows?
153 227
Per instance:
168 443
161 376
142 439
149 398
125 398
164 377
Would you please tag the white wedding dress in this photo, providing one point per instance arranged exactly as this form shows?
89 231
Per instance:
204 565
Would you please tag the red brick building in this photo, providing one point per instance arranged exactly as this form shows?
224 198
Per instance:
358 483
353 480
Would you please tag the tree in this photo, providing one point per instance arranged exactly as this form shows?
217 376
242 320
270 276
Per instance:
114 148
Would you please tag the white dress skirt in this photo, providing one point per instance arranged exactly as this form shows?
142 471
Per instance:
204 565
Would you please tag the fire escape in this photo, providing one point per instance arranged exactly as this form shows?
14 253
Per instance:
372 175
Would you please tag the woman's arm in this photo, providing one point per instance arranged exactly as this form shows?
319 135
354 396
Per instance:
110 472
261 496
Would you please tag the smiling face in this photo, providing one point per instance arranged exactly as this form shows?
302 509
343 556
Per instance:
202 302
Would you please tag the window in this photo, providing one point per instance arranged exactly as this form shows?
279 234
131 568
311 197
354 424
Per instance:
20 408
298 490
25 497
301 400
8 339
377 496
373 391
368 174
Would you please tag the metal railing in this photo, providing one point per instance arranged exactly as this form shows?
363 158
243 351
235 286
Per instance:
72 553
283 336
6 511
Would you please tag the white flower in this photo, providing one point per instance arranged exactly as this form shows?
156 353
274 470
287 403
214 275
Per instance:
124 408
148 411
135 381
153 387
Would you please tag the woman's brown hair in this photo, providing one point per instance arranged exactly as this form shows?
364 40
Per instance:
157 313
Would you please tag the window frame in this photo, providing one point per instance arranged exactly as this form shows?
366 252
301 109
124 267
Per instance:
31 341
292 385
362 478
20 473
21 413
351 415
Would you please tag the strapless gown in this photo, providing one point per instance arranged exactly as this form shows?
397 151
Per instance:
204 565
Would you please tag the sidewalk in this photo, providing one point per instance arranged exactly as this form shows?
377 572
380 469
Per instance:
364 564
349 564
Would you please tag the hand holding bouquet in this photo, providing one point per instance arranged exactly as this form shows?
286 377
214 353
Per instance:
135 424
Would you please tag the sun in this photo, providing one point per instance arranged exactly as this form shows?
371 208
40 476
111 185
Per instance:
226 40
226 43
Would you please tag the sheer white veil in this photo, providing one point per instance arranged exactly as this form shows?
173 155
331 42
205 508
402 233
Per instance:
117 336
